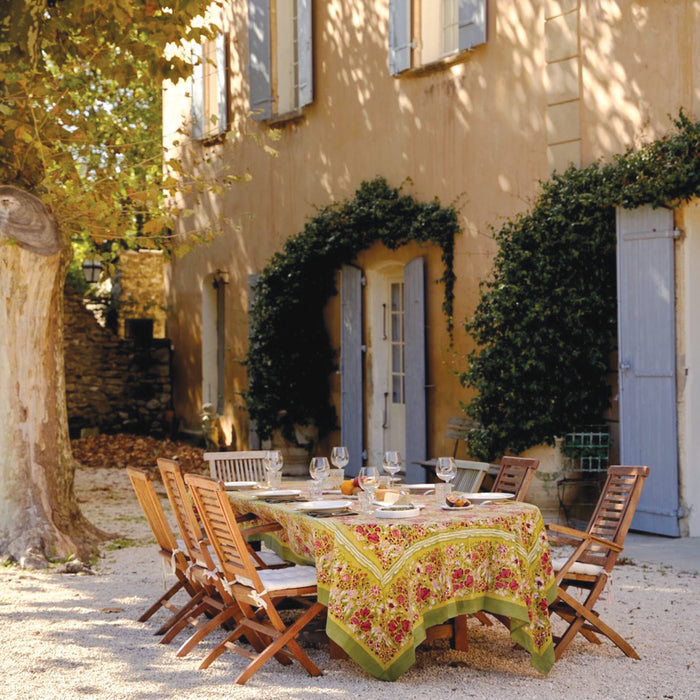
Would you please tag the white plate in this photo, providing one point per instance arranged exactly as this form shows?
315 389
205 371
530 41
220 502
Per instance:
422 488
477 498
392 513
272 493
446 507
337 504
240 485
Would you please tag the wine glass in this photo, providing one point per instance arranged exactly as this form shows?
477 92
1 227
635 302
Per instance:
391 463
446 469
319 469
368 479
340 457
272 462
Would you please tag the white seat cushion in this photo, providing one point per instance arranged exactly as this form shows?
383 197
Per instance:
289 577
271 559
577 567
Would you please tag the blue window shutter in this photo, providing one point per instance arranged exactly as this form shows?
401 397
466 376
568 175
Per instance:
399 35
305 49
351 417
260 83
414 309
472 23
197 93
222 82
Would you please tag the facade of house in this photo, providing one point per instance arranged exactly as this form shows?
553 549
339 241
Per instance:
473 102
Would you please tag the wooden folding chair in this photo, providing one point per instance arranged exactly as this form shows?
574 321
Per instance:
237 466
589 568
213 608
256 591
469 475
168 549
515 475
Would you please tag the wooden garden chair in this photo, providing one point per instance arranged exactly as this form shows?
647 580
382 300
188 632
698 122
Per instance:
514 476
212 607
257 592
589 567
237 466
469 475
169 550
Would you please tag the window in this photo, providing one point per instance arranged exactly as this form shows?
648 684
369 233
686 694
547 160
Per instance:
398 344
210 89
426 31
280 56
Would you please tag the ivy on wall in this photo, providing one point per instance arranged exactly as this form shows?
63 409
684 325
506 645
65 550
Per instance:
290 359
545 322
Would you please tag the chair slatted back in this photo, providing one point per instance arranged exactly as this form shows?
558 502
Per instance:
613 514
219 521
190 531
237 466
515 475
458 428
153 510
469 475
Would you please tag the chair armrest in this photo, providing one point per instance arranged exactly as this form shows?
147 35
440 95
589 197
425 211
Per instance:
258 529
574 535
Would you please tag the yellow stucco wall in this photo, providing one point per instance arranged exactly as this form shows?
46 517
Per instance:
557 82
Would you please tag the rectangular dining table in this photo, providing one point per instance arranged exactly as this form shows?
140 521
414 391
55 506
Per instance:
386 581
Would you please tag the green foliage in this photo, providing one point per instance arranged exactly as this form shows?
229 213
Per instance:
80 109
546 321
290 359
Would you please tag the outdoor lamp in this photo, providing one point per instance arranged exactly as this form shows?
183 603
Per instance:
92 270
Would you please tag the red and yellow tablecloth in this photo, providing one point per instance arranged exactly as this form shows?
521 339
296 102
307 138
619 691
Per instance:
386 581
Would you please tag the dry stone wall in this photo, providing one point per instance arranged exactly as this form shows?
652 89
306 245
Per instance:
112 384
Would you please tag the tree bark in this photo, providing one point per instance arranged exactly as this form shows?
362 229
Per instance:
39 514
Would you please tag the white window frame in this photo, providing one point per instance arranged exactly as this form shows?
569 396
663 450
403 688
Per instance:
431 32
209 112
280 67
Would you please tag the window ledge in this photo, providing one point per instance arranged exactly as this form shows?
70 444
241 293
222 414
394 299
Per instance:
295 115
437 65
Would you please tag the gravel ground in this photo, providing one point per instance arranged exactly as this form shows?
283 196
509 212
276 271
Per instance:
72 636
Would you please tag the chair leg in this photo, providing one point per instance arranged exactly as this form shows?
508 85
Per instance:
582 615
287 638
161 602
184 611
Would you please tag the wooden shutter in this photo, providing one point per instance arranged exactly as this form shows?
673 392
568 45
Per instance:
399 35
414 310
222 82
647 352
197 92
305 50
253 437
259 76
351 417
472 23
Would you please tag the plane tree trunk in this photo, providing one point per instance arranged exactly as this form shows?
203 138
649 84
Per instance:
39 514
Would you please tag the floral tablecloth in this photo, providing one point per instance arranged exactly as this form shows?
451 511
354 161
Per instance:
386 581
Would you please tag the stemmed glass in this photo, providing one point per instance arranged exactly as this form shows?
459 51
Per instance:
391 463
319 470
340 457
368 479
273 466
446 469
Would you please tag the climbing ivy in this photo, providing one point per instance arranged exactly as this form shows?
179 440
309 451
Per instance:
545 324
290 358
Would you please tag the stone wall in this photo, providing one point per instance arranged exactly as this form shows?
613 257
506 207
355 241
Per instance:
142 292
112 384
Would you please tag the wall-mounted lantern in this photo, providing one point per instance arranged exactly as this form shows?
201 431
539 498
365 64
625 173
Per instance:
92 269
